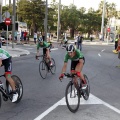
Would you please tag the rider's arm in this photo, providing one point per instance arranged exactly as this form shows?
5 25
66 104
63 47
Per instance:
64 68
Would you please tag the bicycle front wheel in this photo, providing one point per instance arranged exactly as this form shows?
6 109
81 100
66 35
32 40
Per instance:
72 96
43 70
53 67
87 91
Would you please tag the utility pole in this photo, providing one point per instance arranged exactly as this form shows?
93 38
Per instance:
0 11
13 23
46 19
103 16
58 26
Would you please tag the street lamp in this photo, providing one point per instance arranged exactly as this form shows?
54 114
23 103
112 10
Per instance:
1 10
103 16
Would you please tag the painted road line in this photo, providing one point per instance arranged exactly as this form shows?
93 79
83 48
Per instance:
54 49
92 100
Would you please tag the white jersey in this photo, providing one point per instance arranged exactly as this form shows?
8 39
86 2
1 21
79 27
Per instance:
4 54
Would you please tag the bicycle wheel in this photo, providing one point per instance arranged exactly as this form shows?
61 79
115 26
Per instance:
43 70
53 67
72 96
87 91
18 85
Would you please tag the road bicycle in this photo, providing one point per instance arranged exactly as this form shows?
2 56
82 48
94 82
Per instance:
45 67
74 92
6 90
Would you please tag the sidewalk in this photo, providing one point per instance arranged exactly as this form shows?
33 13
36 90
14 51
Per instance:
16 52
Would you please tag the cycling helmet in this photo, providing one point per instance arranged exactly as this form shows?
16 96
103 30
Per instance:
70 48
40 39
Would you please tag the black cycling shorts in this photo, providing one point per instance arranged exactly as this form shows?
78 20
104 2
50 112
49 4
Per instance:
7 63
74 63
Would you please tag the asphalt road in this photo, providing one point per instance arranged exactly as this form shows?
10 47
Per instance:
44 99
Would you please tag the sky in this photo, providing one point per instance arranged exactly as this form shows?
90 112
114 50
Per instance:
83 3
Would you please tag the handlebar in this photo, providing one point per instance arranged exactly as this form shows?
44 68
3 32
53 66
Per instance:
68 75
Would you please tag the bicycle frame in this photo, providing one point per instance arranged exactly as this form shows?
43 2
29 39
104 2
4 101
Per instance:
3 91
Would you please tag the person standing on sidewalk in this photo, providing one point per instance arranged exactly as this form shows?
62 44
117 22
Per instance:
35 36
79 42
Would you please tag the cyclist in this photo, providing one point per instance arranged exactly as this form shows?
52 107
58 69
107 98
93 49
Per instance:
5 60
77 62
46 49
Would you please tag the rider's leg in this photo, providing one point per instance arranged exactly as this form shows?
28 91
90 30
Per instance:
77 68
8 68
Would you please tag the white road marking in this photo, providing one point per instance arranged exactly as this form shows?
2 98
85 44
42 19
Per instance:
92 100
99 54
103 50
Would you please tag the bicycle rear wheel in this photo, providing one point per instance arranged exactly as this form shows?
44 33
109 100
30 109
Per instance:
87 91
18 85
72 96
53 67
43 70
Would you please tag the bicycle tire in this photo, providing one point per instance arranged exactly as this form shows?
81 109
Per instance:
18 85
87 91
74 107
44 67
53 67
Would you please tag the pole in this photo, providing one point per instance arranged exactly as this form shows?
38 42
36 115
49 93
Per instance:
103 15
0 11
58 26
7 38
13 23
46 17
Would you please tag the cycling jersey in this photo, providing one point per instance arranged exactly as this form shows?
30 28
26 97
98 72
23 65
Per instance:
45 45
4 54
78 55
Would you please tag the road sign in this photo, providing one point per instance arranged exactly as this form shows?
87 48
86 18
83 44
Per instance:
7 21
108 29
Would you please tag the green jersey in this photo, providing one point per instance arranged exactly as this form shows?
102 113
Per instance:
78 55
45 45
4 54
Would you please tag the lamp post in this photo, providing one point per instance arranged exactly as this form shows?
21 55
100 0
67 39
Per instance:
13 22
58 26
1 11
103 16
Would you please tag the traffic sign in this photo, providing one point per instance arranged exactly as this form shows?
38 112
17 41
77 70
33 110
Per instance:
108 29
7 21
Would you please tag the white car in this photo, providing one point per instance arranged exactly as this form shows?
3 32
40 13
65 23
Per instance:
3 40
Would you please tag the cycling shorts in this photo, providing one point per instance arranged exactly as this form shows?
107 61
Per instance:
74 63
7 63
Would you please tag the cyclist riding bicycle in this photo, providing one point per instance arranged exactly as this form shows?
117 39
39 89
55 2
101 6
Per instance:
6 61
46 49
77 63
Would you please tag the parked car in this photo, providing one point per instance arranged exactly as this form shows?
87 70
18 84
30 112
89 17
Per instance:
3 40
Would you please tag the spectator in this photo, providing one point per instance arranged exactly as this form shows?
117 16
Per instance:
10 36
15 36
3 33
79 41
35 37
25 35
22 35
